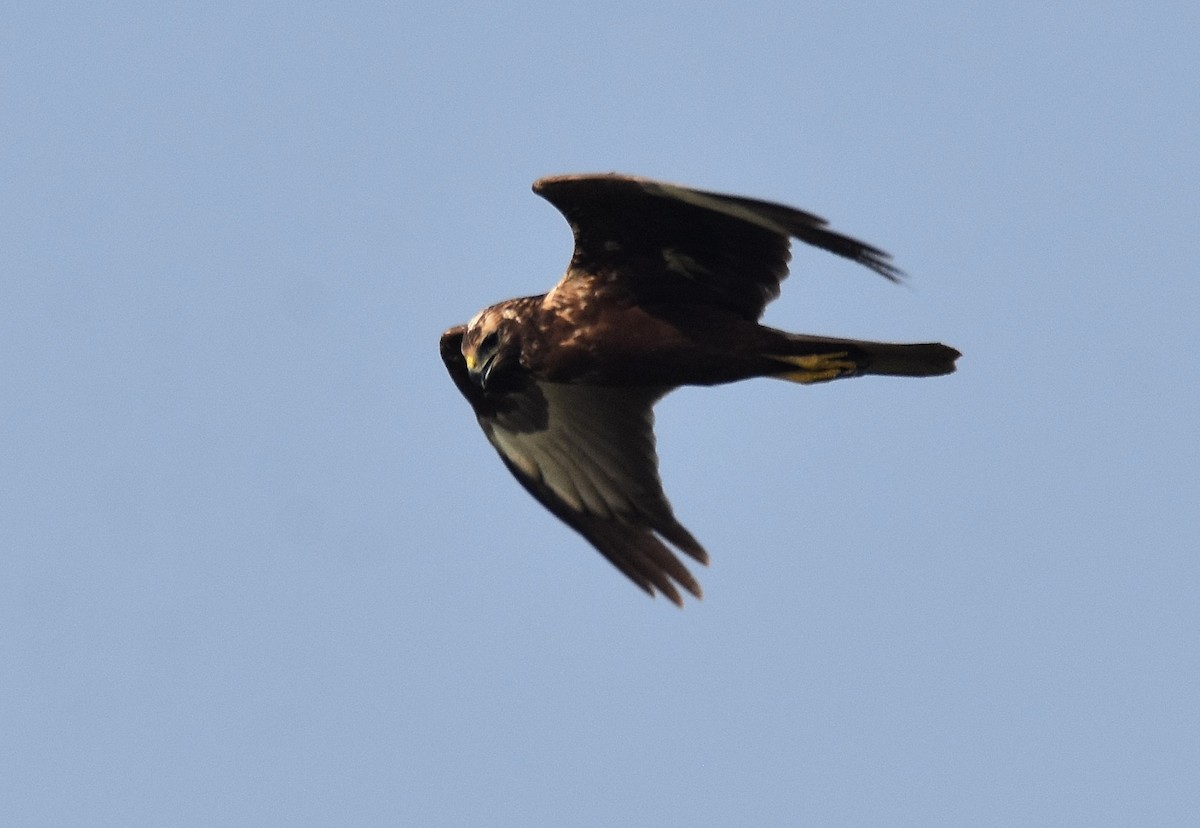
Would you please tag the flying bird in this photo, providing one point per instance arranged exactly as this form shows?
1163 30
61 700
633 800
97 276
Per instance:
664 288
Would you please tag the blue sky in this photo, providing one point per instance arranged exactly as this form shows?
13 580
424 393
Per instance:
260 566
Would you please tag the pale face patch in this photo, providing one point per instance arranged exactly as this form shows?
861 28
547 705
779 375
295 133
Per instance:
482 324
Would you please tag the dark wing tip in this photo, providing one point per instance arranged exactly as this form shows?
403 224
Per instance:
778 218
640 551
878 261
642 557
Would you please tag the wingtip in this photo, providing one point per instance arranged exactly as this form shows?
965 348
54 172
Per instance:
665 588
689 583
889 271
675 597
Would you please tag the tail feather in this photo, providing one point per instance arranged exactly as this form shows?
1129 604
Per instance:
810 359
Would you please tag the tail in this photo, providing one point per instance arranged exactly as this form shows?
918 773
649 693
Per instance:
807 359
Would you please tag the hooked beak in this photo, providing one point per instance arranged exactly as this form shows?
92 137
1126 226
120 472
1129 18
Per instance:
479 371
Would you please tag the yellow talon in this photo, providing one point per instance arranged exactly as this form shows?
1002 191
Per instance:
817 367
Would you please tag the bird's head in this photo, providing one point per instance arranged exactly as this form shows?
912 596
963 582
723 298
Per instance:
491 349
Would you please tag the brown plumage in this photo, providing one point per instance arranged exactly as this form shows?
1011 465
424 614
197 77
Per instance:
665 288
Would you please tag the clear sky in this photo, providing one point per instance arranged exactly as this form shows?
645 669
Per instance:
260 567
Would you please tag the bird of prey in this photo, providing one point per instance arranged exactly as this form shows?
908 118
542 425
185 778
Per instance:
665 288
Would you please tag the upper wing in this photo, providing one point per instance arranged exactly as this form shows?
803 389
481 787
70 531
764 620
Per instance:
668 243
587 454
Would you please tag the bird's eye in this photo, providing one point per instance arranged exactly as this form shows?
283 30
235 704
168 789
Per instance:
488 343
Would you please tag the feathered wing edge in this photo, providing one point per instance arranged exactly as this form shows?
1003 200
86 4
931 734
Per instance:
635 550
776 218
